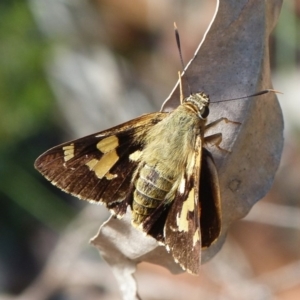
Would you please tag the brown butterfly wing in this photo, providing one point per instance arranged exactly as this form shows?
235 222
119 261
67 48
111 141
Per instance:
99 167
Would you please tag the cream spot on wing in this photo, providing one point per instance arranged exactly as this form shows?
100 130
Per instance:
182 186
101 167
108 144
135 156
110 176
68 152
188 206
196 237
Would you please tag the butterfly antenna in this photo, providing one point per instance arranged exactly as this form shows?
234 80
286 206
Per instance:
181 60
178 44
253 95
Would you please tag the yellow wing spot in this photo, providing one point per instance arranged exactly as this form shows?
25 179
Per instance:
91 164
135 156
108 144
102 166
188 206
68 152
196 237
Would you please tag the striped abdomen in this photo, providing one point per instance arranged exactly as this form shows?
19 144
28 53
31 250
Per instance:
150 190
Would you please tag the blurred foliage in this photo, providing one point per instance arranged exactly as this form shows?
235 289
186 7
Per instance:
25 96
287 37
26 105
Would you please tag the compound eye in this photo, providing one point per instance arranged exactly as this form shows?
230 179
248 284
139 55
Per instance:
205 112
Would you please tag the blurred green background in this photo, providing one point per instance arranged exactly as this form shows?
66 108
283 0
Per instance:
32 46
27 128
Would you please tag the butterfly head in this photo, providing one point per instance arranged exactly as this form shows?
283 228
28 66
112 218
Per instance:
200 102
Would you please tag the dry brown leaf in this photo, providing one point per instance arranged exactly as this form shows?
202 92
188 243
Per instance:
233 61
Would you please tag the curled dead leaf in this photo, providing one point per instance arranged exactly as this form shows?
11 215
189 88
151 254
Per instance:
232 61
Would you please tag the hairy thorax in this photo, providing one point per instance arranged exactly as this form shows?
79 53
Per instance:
169 150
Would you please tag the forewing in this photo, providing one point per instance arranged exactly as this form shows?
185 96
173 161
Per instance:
182 228
99 167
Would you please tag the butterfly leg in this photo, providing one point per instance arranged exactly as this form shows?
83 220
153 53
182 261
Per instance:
212 124
215 140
